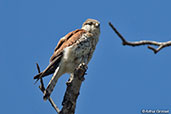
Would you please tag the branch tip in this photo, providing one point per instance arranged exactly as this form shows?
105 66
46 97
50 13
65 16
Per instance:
38 68
160 45
42 88
153 49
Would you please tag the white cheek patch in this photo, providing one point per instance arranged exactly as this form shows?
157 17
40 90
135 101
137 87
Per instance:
86 27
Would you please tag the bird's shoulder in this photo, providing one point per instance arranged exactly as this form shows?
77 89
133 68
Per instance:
70 38
67 41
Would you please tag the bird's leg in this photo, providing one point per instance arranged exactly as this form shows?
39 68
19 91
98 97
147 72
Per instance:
82 67
70 78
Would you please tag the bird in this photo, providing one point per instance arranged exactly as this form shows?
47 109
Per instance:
73 49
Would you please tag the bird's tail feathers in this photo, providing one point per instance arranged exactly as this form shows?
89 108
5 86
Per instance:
52 83
50 68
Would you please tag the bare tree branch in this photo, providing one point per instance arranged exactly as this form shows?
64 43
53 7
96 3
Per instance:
72 91
160 45
42 88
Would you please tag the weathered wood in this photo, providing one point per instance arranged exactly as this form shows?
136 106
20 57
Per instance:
72 91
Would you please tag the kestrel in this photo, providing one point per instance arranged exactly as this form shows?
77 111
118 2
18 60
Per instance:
73 49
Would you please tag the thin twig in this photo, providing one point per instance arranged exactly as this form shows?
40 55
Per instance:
42 88
72 92
160 45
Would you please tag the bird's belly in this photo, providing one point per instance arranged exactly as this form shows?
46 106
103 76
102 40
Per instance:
74 55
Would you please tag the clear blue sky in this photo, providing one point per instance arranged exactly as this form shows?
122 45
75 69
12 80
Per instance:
120 80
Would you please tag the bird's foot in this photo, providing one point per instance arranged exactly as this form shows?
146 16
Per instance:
82 68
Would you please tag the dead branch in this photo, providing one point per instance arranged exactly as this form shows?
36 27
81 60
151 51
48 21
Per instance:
72 91
160 45
42 88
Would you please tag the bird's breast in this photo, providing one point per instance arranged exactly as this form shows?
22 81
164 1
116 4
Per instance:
78 53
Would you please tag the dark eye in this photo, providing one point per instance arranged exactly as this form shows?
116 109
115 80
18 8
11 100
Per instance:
90 23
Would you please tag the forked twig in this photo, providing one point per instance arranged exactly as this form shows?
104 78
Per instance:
72 91
160 45
42 88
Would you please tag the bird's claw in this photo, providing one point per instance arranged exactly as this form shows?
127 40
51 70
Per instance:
83 66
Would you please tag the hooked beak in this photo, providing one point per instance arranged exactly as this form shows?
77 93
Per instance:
97 25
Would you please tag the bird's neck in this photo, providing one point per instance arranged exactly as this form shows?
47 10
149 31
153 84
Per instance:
94 31
87 28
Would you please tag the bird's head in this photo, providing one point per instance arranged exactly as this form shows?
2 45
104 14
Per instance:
92 26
